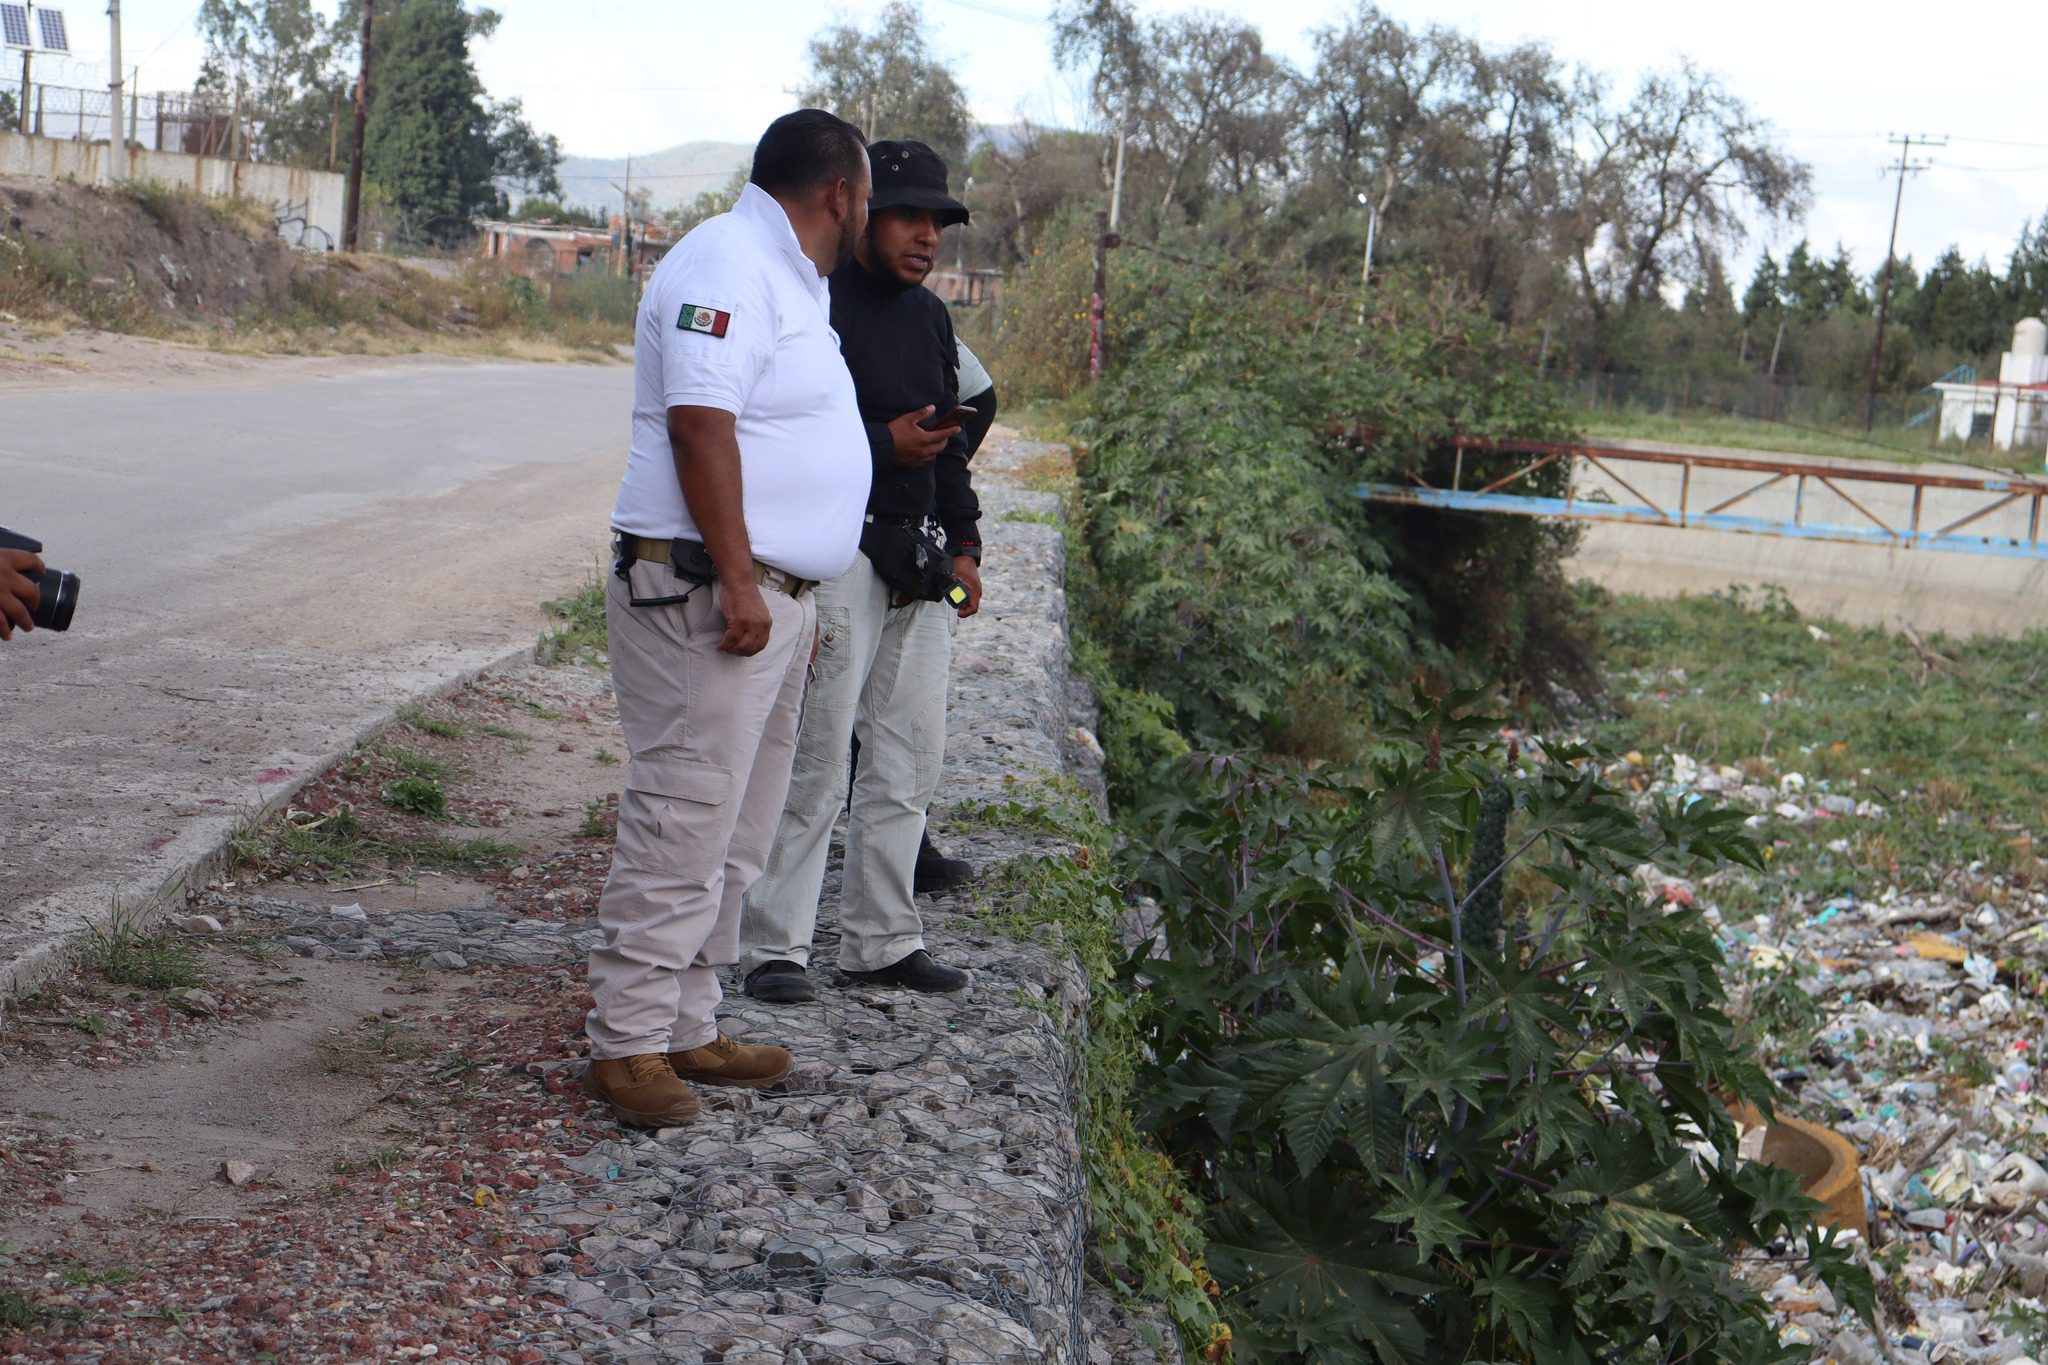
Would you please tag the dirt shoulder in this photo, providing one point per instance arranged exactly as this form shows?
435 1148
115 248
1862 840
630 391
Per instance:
221 1145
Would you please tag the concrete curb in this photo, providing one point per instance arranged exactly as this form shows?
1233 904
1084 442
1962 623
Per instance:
27 968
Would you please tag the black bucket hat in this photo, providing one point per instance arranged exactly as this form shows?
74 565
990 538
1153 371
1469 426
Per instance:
912 175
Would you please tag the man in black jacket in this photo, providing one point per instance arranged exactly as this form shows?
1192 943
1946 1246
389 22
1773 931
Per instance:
886 626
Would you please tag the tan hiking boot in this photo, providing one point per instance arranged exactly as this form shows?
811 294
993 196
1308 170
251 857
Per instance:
724 1062
642 1090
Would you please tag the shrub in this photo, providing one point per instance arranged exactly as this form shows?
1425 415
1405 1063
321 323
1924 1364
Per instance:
1418 1147
1244 580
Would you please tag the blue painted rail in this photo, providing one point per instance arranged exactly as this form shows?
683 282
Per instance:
1955 502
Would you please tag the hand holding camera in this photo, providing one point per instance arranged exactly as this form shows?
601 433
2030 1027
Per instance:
32 594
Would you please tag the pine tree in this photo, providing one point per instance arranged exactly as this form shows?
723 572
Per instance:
1765 295
428 145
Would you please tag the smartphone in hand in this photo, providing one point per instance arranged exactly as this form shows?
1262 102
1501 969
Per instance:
958 417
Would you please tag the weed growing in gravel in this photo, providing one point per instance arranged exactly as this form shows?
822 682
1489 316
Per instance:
410 763
419 795
530 706
334 842
129 955
597 819
112 1276
17 1312
420 719
91 1025
460 855
605 757
383 1159
504 732
580 636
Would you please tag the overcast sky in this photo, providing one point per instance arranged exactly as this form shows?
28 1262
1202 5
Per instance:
616 76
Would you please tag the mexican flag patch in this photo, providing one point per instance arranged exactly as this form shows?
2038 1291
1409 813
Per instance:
695 317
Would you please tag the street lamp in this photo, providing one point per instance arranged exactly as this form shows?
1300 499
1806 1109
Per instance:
1372 223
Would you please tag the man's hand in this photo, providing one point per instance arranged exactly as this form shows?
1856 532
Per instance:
969 574
19 595
915 446
747 622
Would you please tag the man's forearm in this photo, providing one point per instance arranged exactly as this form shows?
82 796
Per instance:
708 468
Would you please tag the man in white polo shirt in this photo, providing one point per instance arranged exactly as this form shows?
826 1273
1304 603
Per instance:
746 485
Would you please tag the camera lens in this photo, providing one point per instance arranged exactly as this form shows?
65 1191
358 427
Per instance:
59 599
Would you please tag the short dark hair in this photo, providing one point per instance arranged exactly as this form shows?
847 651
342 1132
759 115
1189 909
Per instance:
803 152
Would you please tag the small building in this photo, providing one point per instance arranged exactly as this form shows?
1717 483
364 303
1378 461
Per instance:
2011 410
549 248
959 287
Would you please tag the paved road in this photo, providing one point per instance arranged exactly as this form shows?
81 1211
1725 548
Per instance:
271 559
1965 594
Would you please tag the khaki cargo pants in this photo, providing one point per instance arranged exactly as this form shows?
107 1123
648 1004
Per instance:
711 736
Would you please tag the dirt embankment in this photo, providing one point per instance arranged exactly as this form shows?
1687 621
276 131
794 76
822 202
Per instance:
146 259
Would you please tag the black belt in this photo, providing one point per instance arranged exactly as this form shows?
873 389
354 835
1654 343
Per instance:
657 552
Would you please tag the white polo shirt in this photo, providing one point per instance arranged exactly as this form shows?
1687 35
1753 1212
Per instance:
736 317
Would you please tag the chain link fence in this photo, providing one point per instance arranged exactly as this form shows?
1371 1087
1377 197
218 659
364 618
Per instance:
162 121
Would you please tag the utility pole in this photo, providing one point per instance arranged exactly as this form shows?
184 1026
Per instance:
1116 188
117 142
623 265
1884 289
352 213
1372 227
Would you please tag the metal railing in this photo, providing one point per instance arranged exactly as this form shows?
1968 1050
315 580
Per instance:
1893 508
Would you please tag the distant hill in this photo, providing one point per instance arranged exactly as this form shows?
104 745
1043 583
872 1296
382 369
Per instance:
674 177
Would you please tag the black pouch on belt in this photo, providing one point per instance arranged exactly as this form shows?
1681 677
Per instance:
687 560
904 554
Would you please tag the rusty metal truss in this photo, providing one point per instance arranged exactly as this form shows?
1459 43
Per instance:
1892 507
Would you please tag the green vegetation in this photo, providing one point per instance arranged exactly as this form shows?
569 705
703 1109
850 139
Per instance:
1416 1147
482 854
127 954
419 795
1424 1063
597 819
1946 735
1147 1223
579 635
419 718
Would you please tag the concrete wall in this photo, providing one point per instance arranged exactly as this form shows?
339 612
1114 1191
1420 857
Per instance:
308 203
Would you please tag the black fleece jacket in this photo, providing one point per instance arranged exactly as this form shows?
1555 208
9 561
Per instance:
899 345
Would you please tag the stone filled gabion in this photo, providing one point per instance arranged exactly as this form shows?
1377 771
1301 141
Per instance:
915 1191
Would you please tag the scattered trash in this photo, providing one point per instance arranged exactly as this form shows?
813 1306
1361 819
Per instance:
1933 1002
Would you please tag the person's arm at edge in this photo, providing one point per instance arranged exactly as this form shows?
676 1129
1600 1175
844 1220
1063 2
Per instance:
960 514
707 455
984 405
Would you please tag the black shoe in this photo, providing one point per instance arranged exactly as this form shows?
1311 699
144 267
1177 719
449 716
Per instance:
780 983
914 973
936 872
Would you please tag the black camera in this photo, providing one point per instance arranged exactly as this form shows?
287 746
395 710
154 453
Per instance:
59 589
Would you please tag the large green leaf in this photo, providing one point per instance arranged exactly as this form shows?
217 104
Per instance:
1305 1253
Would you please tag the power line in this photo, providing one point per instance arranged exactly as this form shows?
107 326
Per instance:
999 11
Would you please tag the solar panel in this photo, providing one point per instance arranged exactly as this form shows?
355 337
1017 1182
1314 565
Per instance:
14 25
55 39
